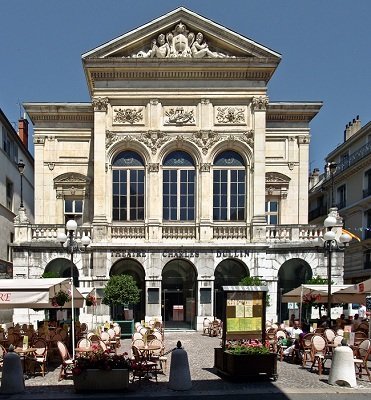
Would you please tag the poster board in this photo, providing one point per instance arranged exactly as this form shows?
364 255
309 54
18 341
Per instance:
244 312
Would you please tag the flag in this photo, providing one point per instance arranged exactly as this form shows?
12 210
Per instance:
352 235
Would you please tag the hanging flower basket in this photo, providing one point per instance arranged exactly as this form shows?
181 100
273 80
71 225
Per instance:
91 300
61 298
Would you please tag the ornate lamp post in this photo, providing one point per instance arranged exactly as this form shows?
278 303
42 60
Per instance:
332 167
21 166
69 241
331 244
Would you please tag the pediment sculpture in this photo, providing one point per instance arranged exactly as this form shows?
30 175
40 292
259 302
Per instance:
179 42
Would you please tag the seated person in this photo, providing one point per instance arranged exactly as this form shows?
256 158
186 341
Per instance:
294 333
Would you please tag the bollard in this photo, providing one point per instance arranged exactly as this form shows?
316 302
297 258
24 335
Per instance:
342 371
180 376
12 380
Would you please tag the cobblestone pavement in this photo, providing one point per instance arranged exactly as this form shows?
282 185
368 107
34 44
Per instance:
200 350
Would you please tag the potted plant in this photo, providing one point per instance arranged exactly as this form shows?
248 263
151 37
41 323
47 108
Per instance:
100 370
243 359
121 290
90 300
61 298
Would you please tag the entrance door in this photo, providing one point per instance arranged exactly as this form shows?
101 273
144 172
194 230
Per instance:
178 295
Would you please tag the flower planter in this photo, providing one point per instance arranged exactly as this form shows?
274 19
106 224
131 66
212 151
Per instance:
246 366
92 380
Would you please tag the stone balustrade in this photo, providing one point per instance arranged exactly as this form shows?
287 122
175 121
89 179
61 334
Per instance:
173 231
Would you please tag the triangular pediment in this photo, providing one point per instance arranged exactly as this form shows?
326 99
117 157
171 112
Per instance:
174 35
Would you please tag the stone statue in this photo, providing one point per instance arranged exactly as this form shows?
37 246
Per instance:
200 48
160 50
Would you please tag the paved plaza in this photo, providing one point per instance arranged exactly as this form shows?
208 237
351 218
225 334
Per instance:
205 382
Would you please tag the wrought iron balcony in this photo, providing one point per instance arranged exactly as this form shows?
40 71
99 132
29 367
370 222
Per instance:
362 152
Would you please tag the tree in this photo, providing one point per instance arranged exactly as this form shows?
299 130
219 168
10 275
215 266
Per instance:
121 290
255 281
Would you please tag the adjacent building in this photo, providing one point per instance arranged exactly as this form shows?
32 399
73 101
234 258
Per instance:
181 170
350 188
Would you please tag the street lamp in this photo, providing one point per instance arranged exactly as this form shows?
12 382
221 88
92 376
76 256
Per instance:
20 166
331 244
72 247
332 167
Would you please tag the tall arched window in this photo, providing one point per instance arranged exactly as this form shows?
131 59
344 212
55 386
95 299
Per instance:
229 187
178 187
128 187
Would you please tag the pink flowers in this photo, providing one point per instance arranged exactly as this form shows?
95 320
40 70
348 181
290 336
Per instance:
251 346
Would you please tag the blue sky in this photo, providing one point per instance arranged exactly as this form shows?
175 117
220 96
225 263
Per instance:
325 47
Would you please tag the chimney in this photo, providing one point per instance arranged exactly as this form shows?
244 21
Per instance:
352 128
23 131
314 178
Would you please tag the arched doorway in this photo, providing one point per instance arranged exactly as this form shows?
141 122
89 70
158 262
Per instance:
133 268
61 268
228 273
292 274
179 279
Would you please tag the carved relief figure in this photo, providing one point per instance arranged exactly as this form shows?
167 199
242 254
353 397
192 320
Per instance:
161 50
179 116
179 43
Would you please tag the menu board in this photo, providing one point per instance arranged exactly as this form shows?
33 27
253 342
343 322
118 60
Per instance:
244 312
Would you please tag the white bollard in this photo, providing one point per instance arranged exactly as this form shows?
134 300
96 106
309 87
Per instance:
342 371
180 375
12 380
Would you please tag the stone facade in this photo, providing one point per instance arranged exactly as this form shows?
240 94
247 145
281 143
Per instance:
153 111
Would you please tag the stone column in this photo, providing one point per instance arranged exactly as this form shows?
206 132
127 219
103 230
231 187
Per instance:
303 143
258 223
206 209
100 218
154 202
39 143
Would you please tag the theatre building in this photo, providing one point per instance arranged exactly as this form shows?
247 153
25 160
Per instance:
181 170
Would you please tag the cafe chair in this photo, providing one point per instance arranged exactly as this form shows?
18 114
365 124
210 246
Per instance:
318 352
306 348
206 326
2 354
67 361
363 353
329 335
158 355
83 343
41 354
141 367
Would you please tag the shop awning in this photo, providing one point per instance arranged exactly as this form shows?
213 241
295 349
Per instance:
320 291
355 293
35 293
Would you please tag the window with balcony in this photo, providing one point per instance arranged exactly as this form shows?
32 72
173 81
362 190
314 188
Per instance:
9 194
229 192
178 187
367 259
73 209
128 187
341 196
272 211
367 184
367 232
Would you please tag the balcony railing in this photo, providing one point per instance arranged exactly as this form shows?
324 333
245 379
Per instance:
362 152
135 233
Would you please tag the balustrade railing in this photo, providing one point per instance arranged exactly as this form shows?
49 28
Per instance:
230 232
128 232
178 232
293 233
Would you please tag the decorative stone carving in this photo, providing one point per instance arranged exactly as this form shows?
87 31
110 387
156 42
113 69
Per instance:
100 103
291 166
205 167
39 140
111 138
153 167
277 184
51 165
179 116
154 139
230 115
260 103
205 139
71 184
127 115
248 137
205 101
303 139
179 42
154 102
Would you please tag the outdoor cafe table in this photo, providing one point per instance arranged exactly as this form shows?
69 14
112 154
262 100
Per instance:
147 350
84 350
23 353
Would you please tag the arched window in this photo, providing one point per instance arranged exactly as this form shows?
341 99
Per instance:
229 192
128 187
178 187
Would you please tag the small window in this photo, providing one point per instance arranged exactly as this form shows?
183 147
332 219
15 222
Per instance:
153 296
9 194
205 296
73 209
272 212
341 196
